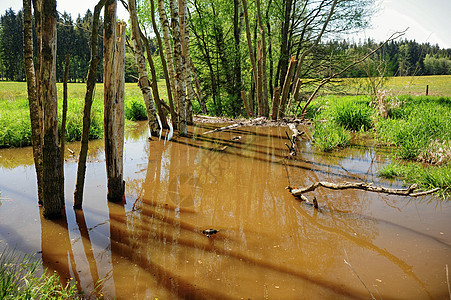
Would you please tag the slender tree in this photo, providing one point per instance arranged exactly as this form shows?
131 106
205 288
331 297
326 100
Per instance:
33 99
143 81
179 64
115 183
164 65
52 169
90 86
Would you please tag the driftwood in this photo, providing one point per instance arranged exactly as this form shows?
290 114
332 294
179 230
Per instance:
235 125
359 185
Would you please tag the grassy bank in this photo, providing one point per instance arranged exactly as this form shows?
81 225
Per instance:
15 121
418 127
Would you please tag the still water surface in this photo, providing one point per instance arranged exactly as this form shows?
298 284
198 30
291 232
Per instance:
269 245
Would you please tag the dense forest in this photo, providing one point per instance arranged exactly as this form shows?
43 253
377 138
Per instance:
220 56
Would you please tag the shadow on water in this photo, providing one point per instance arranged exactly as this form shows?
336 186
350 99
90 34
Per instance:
268 245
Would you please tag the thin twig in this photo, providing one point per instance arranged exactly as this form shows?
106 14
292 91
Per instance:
355 273
447 281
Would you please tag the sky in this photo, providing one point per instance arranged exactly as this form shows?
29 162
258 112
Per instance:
429 21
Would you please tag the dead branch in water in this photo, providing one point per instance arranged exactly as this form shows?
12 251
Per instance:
299 193
362 186
235 125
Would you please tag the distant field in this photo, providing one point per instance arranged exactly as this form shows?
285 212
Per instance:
408 85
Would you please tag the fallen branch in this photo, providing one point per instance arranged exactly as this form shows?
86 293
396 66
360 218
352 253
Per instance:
235 125
362 186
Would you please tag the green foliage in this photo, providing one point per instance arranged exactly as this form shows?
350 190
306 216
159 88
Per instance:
353 115
427 177
135 110
19 280
328 136
417 123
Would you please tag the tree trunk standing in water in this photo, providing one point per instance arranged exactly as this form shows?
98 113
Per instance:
143 81
120 93
63 120
264 80
52 169
187 55
114 179
165 67
251 52
33 101
179 70
168 50
237 28
154 85
90 86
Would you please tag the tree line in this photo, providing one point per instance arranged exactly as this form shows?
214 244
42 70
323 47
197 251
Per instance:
73 39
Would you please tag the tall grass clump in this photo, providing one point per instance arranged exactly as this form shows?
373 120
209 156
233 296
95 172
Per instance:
421 129
427 177
135 110
328 136
353 115
19 279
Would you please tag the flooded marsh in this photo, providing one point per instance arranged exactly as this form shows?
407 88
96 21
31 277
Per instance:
268 245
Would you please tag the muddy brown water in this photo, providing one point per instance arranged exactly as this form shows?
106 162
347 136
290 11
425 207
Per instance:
269 245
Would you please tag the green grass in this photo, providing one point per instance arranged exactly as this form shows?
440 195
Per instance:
19 279
15 130
427 177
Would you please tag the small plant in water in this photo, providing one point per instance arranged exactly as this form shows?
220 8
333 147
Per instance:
19 279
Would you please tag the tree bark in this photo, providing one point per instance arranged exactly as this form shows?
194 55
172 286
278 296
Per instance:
90 86
249 45
63 120
154 84
115 187
188 62
165 67
143 81
120 94
33 101
179 69
167 49
264 80
275 103
286 87
52 169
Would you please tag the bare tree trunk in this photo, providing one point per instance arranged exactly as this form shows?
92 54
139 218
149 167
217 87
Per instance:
90 86
167 49
200 98
120 94
275 103
188 62
165 67
259 85
286 87
154 85
249 45
63 120
179 69
53 198
264 81
35 114
115 185
143 81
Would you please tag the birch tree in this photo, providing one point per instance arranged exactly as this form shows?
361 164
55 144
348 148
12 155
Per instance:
179 65
143 81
